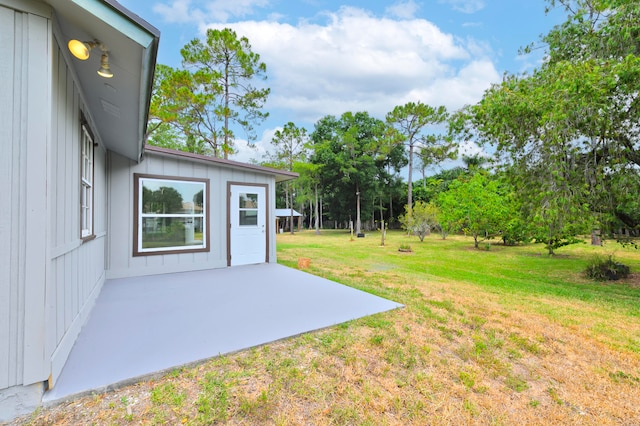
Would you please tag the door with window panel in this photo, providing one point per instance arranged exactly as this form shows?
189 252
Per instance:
248 225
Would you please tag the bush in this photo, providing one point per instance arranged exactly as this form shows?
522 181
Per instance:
604 269
405 247
420 219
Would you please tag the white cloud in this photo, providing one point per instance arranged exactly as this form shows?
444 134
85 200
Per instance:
256 151
464 88
178 11
403 9
355 61
465 6
198 12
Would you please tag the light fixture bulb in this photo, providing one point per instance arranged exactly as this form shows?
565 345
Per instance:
104 70
80 49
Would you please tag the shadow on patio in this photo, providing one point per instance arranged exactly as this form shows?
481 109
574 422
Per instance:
145 325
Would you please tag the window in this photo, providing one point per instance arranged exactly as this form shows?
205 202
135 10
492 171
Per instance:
86 184
248 209
171 215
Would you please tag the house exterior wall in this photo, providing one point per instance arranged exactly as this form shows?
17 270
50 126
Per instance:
121 262
77 267
25 71
49 278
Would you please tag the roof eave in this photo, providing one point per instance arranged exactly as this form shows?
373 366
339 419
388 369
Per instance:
280 175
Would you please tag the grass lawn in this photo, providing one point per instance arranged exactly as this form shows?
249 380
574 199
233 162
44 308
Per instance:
500 336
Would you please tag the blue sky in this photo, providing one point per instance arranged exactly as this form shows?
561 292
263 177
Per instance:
331 56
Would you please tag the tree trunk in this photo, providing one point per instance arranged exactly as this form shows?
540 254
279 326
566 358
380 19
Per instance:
317 221
291 226
358 224
409 178
226 112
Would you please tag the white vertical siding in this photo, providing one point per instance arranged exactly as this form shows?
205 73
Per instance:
121 262
10 173
25 42
77 267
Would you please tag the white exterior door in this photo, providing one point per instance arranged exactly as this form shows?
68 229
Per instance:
248 225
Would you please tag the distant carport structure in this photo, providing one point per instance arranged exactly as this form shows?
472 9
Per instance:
285 214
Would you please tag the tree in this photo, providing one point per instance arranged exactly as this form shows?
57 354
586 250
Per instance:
420 219
163 200
532 121
478 205
223 68
601 39
290 146
410 122
428 189
160 111
308 181
169 136
569 131
173 103
356 155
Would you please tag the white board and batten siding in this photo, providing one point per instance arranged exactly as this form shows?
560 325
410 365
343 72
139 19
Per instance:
48 277
121 262
77 268
25 70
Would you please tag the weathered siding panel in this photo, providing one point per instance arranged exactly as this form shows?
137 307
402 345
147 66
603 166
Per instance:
77 267
122 263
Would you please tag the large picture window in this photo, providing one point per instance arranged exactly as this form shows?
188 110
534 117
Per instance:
86 184
171 215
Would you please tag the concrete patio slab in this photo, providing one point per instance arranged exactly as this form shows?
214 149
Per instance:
144 325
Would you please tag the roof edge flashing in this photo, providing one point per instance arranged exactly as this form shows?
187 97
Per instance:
281 175
115 15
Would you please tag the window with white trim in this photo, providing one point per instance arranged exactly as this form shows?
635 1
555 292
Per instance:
86 184
171 215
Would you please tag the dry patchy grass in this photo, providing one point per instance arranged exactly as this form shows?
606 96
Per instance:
462 351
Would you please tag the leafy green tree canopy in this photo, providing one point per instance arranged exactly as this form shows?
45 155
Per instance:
290 146
411 122
569 130
477 205
213 95
421 219
356 155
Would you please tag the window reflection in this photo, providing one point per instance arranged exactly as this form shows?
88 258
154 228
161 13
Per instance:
248 201
248 212
171 214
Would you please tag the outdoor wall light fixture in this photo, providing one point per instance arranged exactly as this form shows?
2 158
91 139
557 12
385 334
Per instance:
82 49
104 70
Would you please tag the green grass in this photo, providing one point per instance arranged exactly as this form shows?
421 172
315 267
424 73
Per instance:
516 272
501 336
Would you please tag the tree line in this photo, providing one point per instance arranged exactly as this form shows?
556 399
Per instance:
564 138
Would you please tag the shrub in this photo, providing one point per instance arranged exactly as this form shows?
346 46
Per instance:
405 247
603 269
420 219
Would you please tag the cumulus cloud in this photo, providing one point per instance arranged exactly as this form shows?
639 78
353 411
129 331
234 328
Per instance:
256 151
178 11
355 61
403 9
349 60
465 6
199 12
